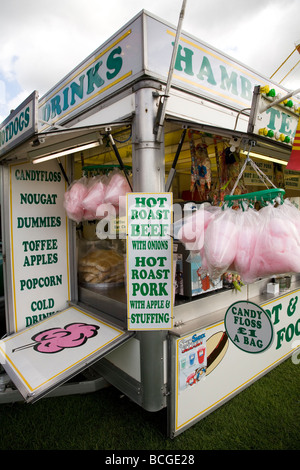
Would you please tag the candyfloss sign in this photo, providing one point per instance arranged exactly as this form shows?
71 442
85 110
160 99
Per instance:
249 327
149 261
38 243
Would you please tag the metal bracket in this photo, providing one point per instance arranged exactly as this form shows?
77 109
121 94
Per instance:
115 149
157 130
173 169
56 126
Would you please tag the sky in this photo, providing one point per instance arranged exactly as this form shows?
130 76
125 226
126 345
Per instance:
40 42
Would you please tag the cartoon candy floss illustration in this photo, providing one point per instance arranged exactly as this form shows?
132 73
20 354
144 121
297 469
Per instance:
57 339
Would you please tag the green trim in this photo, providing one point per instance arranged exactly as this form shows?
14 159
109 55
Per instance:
258 196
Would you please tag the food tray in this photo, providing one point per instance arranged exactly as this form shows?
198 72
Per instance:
102 285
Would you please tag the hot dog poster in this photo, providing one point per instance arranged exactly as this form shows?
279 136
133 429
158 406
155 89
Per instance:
198 357
40 356
228 360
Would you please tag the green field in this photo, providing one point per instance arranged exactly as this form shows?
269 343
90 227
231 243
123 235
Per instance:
265 416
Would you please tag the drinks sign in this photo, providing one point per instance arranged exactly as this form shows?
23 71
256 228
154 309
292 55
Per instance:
149 261
249 327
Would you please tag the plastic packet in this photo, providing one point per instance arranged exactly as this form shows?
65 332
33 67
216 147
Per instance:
289 211
220 243
277 249
117 186
73 198
191 229
95 197
248 227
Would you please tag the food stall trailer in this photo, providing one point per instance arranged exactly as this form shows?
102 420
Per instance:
162 336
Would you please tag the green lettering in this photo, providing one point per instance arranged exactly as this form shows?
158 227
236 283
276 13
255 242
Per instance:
206 70
55 106
186 58
77 90
114 63
246 88
274 113
93 78
21 121
66 98
134 274
280 337
27 117
46 112
226 82
285 124
292 306
275 311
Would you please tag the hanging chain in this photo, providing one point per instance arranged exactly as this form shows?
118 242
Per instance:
259 172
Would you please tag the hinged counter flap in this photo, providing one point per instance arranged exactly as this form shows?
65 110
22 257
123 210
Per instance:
42 357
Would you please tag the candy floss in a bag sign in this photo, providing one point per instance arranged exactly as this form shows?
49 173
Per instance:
149 261
249 327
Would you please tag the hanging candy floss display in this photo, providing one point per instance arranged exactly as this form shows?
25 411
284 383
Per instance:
117 187
254 244
288 210
265 242
73 198
94 197
220 243
277 248
192 228
115 195
247 226
212 233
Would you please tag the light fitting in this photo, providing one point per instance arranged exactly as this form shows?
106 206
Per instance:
66 152
263 157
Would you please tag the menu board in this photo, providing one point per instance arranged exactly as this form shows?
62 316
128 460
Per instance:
38 243
251 178
149 261
291 179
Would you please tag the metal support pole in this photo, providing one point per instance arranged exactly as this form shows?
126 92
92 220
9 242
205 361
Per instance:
163 102
283 98
148 159
148 173
296 48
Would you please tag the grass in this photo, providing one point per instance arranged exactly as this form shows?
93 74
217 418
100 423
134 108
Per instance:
265 416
